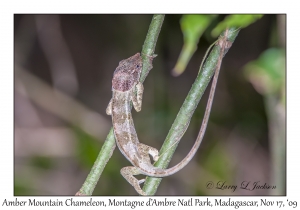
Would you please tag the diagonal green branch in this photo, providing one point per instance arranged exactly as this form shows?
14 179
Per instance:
149 45
109 144
186 111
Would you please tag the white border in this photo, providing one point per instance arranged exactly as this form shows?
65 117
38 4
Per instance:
8 8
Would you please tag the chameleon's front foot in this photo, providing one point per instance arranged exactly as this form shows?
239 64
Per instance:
137 99
128 173
109 108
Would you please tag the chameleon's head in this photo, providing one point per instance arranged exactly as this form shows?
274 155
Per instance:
127 74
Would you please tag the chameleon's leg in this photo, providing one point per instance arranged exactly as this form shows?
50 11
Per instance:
137 99
145 149
128 173
109 107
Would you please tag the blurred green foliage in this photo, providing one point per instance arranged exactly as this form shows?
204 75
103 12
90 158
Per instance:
267 73
87 149
193 26
22 187
42 162
218 163
238 21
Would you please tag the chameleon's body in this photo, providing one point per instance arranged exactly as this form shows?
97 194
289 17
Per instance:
125 82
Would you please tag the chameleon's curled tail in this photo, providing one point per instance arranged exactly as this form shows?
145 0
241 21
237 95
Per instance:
166 172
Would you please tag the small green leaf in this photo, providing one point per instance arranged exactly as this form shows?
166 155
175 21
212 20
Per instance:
237 21
192 27
218 163
267 73
22 186
42 162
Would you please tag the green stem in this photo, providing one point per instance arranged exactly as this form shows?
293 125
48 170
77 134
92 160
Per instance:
99 165
110 144
186 112
276 122
150 43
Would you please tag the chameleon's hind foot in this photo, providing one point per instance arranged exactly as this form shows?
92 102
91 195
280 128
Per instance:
128 173
155 158
147 150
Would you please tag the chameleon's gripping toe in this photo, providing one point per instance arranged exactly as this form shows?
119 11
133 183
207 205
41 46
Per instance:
128 173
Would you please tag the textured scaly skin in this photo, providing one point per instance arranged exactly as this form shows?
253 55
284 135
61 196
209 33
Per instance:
125 81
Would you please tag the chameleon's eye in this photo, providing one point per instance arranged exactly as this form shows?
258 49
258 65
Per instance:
137 66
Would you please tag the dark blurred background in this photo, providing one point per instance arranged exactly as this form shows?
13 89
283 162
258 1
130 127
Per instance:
63 70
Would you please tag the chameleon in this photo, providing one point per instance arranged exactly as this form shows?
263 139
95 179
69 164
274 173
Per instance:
124 83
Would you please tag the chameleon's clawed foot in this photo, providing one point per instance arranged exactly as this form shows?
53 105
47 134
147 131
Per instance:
155 158
141 181
128 173
143 148
154 153
109 108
